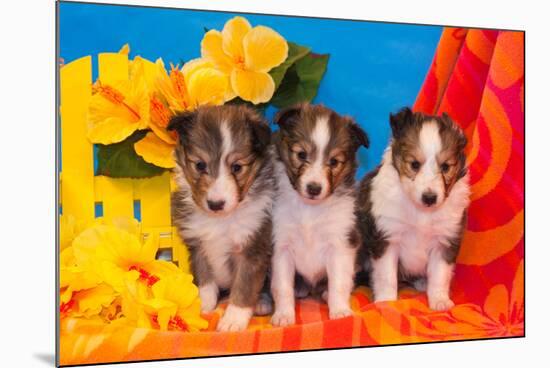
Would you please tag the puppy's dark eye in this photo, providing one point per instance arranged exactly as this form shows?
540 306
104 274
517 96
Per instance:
333 162
445 167
415 165
236 168
302 155
200 166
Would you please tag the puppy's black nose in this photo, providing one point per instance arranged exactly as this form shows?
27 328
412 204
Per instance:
215 205
314 189
429 198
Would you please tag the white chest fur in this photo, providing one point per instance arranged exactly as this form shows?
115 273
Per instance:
310 231
222 237
413 231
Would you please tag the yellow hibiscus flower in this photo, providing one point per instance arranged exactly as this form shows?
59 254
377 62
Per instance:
109 274
163 297
69 228
110 253
175 304
73 278
246 55
119 109
197 83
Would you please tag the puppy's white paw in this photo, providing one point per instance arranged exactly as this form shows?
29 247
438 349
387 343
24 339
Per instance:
234 319
385 295
283 318
335 313
209 297
440 303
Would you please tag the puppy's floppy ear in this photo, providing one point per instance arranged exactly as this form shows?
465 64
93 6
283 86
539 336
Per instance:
261 133
462 140
286 118
182 123
400 121
358 136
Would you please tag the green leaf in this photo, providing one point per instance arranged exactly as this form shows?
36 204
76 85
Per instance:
120 160
295 53
301 81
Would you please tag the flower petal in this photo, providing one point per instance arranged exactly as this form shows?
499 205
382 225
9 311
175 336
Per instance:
194 65
233 34
91 301
165 86
150 246
111 130
211 48
264 49
116 111
155 151
160 117
190 67
253 86
148 68
164 134
67 225
207 86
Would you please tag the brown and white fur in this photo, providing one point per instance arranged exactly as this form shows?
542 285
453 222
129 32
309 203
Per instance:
412 208
222 207
314 227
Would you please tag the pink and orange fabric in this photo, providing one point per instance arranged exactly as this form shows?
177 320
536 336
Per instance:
477 77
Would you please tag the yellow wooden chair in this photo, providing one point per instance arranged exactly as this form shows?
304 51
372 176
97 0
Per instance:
80 190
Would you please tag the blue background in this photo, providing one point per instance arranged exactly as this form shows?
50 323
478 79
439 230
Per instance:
374 68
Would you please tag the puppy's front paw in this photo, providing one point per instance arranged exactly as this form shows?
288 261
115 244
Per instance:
209 297
283 318
385 295
234 319
440 303
335 313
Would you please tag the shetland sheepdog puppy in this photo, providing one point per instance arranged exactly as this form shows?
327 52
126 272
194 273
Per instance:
412 208
314 225
222 206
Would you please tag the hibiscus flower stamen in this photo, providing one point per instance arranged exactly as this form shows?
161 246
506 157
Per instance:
175 323
66 307
114 96
159 113
239 62
145 276
178 323
178 81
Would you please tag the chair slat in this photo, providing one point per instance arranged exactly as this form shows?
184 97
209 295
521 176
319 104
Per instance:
112 67
77 192
118 198
80 189
155 201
